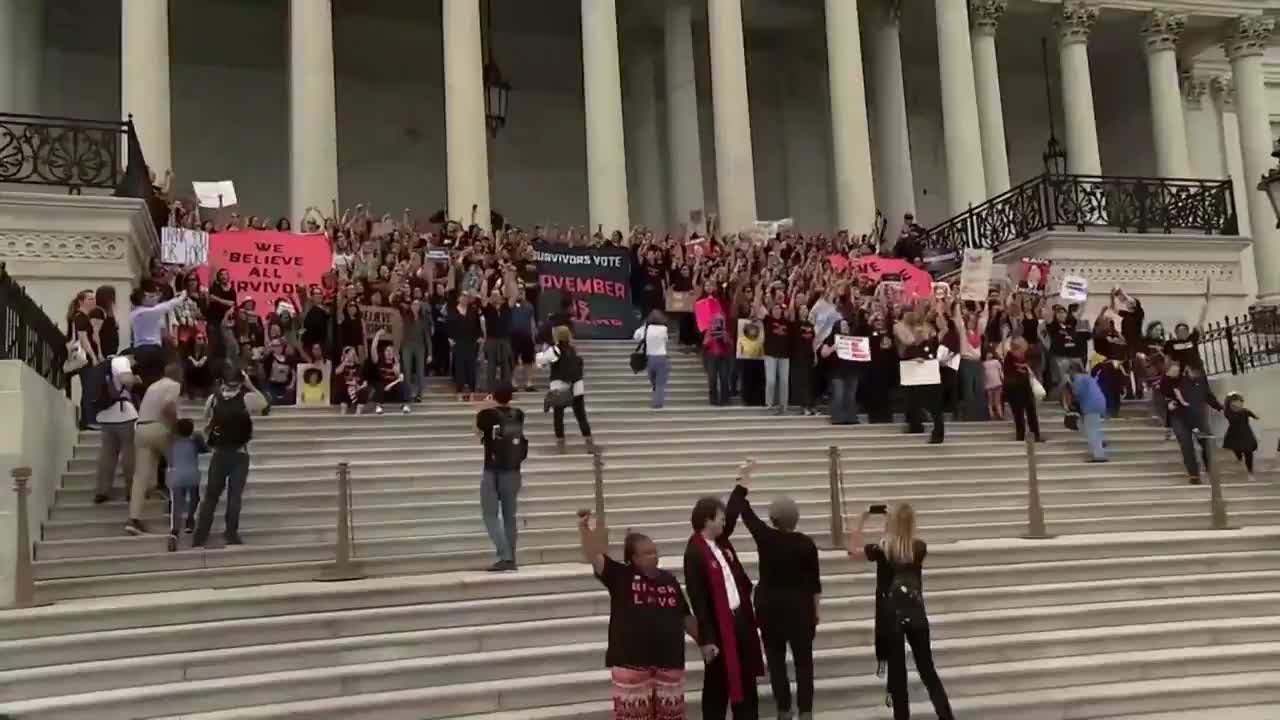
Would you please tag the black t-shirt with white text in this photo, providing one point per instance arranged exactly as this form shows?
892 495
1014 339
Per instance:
646 618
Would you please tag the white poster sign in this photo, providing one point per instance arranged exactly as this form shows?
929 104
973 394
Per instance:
216 194
1075 289
919 372
180 246
975 274
853 348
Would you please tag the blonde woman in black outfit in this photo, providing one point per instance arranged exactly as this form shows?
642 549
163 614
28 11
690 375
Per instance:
788 595
900 611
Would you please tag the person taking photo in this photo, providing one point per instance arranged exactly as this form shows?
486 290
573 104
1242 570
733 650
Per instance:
501 431
900 611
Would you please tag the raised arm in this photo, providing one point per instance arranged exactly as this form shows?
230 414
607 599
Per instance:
593 550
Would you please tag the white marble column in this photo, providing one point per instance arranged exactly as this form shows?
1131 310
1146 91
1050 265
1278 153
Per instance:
1075 21
1204 128
26 54
891 150
602 91
735 163
1224 97
641 116
684 146
985 17
466 142
850 137
962 133
1160 33
1246 47
144 78
313 111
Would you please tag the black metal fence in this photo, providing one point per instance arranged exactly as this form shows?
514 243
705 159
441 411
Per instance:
28 334
1124 204
1238 345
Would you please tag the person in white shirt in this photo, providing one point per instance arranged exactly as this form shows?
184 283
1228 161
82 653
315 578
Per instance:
116 419
153 433
653 334
720 596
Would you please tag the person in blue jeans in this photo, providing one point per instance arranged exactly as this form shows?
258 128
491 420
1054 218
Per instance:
653 336
501 431
184 479
1083 389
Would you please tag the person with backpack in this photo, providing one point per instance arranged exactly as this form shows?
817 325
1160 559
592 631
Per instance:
900 612
566 379
116 417
229 412
501 431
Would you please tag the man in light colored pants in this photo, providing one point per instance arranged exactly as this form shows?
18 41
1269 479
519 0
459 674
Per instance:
777 376
152 436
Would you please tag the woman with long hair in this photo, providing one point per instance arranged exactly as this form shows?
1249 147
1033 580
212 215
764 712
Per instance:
918 342
566 376
654 335
80 330
1017 389
900 610
648 619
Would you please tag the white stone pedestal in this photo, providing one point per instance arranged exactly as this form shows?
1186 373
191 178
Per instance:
56 245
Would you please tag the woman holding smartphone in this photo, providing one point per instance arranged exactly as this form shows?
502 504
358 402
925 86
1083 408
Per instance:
900 611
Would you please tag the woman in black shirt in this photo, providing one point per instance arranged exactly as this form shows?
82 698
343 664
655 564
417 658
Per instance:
648 619
789 592
900 610
464 344
103 319
222 299
803 377
779 337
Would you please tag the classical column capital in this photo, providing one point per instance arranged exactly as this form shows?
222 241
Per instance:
1161 30
1223 92
1248 35
1194 88
1075 20
984 15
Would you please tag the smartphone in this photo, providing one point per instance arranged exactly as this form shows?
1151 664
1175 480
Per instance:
878 509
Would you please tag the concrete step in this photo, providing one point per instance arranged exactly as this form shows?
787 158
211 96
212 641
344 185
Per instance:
317 597
837 669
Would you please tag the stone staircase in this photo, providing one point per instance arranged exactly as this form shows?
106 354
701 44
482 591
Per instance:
1135 607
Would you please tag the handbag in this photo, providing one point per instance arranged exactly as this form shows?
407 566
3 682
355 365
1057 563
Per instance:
1037 390
1071 421
558 398
76 357
640 358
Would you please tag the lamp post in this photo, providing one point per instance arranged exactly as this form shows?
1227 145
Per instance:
496 88
1055 156
1270 184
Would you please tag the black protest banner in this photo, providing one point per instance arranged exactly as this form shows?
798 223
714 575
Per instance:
599 282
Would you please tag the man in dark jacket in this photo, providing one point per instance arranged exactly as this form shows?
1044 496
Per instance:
720 597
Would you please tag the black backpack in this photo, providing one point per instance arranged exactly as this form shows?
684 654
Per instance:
231 426
906 597
110 392
507 446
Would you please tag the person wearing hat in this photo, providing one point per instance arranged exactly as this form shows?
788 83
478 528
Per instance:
789 593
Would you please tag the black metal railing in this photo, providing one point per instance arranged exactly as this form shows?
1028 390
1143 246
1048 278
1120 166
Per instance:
28 334
1123 204
1238 345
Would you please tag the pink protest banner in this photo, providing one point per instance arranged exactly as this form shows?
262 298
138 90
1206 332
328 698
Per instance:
838 262
265 265
704 310
915 282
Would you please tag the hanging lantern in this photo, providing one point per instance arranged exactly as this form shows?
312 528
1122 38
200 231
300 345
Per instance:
496 92
1271 184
